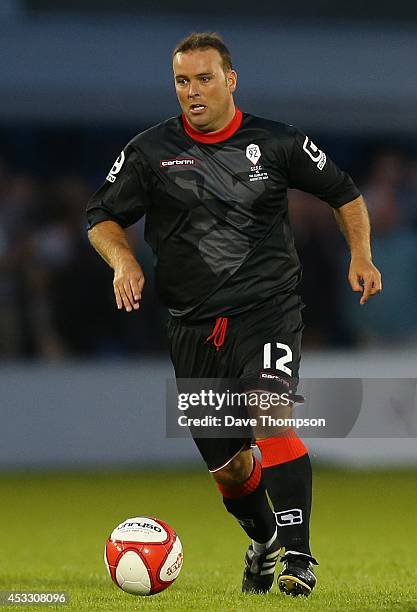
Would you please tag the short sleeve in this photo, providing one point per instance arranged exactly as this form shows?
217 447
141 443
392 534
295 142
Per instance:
311 170
124 196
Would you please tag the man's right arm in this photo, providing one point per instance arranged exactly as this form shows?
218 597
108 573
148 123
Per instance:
110 241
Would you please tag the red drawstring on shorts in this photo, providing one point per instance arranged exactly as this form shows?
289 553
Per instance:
218 334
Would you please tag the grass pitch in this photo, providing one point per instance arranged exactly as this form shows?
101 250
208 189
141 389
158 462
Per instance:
53 529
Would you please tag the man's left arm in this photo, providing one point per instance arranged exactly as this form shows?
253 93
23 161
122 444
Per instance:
353 220
311 170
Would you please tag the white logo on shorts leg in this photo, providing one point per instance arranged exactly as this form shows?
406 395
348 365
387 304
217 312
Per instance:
289 517
316 155
117 166
253 153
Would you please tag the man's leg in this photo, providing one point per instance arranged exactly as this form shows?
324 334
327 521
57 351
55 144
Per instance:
288 479
243 491
241 485
269 356
237 474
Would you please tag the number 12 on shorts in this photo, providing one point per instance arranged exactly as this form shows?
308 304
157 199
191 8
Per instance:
281 361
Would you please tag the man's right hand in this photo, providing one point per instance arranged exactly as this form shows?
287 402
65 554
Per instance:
128 284
110 241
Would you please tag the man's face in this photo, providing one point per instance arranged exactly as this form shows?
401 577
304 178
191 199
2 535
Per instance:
204 90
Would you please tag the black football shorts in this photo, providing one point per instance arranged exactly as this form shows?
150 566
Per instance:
261 349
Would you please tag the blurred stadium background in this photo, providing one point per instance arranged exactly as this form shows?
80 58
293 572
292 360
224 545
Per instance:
82 386
79 78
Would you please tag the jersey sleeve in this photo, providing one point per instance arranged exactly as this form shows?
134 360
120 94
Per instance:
311 170
124 196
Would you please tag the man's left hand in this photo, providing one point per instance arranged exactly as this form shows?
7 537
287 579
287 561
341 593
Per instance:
364 277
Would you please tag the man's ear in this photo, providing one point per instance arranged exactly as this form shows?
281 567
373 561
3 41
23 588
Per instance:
232 80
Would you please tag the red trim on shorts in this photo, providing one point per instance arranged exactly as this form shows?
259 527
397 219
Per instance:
281 450
213 137
246 487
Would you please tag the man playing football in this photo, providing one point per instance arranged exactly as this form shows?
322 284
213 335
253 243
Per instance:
213 183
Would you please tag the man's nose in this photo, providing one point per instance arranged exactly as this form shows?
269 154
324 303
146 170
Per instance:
193 90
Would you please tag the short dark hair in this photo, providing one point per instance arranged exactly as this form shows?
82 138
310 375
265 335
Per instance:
202 41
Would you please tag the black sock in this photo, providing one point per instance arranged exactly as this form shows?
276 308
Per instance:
254 514
249 505
289 487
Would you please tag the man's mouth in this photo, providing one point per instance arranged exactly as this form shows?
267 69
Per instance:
196 109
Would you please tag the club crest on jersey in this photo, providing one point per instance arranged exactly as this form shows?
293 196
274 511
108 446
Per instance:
117 166
253 153
318 157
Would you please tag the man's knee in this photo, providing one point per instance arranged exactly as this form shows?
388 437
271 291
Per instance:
237 471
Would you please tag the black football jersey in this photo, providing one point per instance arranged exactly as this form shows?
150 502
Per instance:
216 208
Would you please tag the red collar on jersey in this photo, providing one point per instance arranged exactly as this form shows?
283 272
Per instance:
213 137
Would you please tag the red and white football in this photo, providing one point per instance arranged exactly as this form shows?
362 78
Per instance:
143 555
